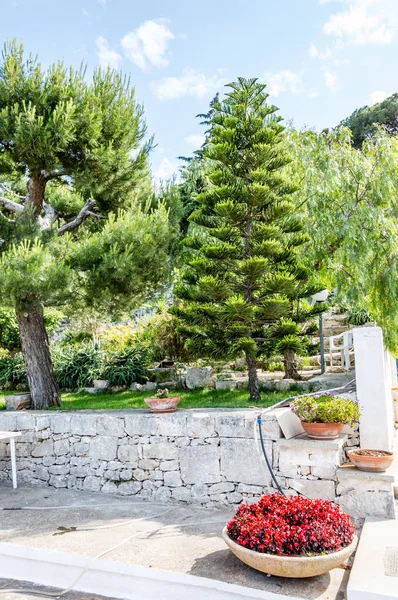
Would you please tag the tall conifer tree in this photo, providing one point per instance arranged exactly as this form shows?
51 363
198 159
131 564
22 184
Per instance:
241 282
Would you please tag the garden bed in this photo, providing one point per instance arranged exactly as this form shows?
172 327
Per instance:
206 398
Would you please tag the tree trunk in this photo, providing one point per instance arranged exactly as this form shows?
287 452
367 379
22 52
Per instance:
35 189
254 387
289 360
36 351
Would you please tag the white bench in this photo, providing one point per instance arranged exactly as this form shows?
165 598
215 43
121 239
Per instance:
11 435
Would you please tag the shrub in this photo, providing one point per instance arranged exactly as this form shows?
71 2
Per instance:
359 316
125 367
76 366
291 526
12 369
325 408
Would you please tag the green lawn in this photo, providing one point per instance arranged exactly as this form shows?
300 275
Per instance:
208 398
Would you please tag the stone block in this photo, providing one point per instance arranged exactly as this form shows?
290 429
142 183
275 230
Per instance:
148 464
141 424
182 442
234 498
350 479
59 469
108 425
103 448
18 401
235 425
162 494
112 475
200 425
25 422
360 505
126 474
199 494
221 488
226 384
321 456
242 461
83 424
60 423
92 484
181 494
129 488
200 464
58 481
172 479
198 377
81 448
172 425
169 465
8 422
109 487
127 453
45 448
42 473
140 475
61 447
284 384
314 489
81 471
160 451
42 423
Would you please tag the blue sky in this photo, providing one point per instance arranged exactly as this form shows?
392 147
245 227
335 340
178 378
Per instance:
321 59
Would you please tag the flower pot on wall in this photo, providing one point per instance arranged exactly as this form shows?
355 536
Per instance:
322 431
374 461
290 566
162 405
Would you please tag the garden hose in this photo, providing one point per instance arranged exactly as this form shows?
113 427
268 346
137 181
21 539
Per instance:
270 469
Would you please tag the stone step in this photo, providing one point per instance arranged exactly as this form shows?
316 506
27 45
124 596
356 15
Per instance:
374 575
301 456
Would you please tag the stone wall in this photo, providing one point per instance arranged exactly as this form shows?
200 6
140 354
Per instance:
204 457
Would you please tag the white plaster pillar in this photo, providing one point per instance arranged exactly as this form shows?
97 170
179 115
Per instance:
374 378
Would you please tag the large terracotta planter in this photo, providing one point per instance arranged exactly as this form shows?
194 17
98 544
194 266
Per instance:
162 405
290 566
374 461
322 431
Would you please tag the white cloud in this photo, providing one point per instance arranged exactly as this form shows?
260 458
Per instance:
166 170
377 96
287 81
148 44
330 80
359 24
102 2
107 56
313 51
195 141
191 83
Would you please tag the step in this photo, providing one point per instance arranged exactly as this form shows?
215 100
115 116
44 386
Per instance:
302 456
374 575
362 494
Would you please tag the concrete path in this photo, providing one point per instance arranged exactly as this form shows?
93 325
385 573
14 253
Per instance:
172 538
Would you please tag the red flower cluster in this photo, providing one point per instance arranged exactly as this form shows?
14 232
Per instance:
291 526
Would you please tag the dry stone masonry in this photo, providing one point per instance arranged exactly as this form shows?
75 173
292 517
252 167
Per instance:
203 457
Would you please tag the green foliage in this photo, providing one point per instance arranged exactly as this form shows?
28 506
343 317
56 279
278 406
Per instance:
364 121
326 408
350 207
12 370
125 367
9 334
245 271
358 316
76 367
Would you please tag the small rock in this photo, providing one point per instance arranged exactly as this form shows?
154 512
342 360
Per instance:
18 402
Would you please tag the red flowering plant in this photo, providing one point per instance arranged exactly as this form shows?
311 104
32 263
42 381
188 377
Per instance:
293 526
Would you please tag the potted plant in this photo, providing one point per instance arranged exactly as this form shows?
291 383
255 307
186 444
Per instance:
323 415
162 402
291 537
374 461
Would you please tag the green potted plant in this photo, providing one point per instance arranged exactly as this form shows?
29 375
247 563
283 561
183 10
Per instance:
162 402
323 415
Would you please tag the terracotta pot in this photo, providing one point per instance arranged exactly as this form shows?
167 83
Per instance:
374 464
161 405
322 431
290 566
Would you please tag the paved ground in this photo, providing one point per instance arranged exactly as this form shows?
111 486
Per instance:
6 584
174 538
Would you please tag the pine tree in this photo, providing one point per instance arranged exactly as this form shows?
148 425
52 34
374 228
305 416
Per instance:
246 269
76 236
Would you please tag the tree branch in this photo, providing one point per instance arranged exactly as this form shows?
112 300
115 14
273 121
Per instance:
85 212
49 217
13 207
10 191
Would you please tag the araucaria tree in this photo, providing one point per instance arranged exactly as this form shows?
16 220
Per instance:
246 269
71 230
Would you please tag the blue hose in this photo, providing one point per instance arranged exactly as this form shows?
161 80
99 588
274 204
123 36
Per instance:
260 422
